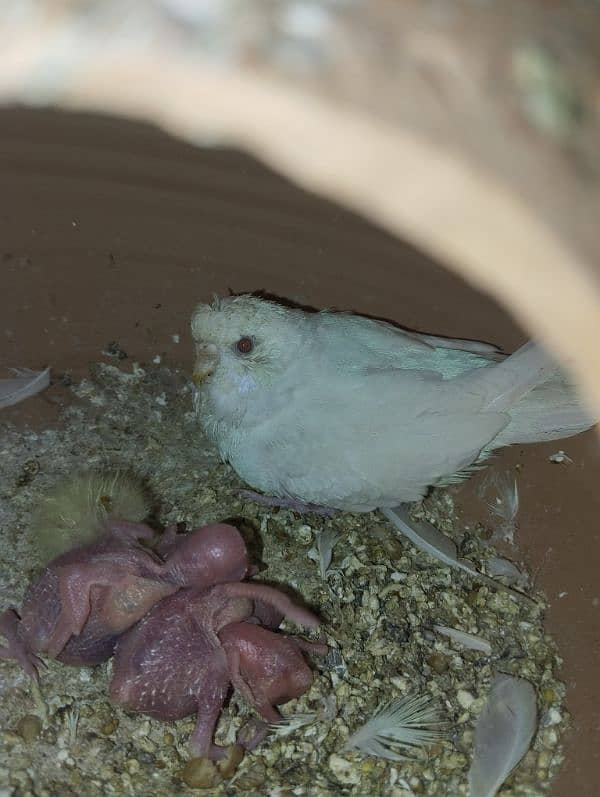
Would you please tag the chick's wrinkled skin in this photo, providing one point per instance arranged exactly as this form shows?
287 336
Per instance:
341 411
86 598
182 658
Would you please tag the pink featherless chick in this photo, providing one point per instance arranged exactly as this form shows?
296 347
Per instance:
187 652
89 594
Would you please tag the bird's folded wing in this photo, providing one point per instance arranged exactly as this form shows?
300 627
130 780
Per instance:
375 439
362 343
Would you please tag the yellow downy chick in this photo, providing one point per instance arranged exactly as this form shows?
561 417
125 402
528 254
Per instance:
74 511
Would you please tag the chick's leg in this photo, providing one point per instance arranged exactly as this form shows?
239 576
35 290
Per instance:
17 648
272 597
210 704
254 731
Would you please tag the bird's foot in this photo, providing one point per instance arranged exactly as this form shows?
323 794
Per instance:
286 503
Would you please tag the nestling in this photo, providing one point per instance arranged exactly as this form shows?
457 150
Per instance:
341 411
183 656
183 623
89 595
86 598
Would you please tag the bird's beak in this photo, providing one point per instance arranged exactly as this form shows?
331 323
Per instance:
205 363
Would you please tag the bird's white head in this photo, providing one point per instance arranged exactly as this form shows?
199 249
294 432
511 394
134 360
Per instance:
242 343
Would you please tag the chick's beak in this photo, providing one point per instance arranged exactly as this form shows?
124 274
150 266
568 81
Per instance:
205 363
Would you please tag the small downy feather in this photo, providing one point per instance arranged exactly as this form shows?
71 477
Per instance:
430 540
326 541
506 506
22 385
503 734
470 641
288 725
498 567
398 729
74 511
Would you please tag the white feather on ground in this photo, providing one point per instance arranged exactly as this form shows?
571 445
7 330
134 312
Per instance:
24 384
498 567
503 734
398 729
470 641
288 725
326 541
506 506
432 541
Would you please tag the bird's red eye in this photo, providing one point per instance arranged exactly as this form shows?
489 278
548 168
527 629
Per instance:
245 345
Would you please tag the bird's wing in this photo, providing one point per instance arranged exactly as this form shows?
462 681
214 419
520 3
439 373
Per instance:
359 441
487 351
356 342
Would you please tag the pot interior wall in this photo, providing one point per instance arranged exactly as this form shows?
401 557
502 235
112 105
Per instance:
112 231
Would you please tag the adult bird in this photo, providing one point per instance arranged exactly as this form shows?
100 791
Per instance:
341 411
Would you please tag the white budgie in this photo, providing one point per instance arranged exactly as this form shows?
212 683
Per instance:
341 411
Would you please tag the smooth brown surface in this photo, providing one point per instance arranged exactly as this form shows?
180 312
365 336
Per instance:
112 232
469 128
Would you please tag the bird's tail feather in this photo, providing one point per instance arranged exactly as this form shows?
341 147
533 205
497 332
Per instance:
540 401
517 375
550 411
